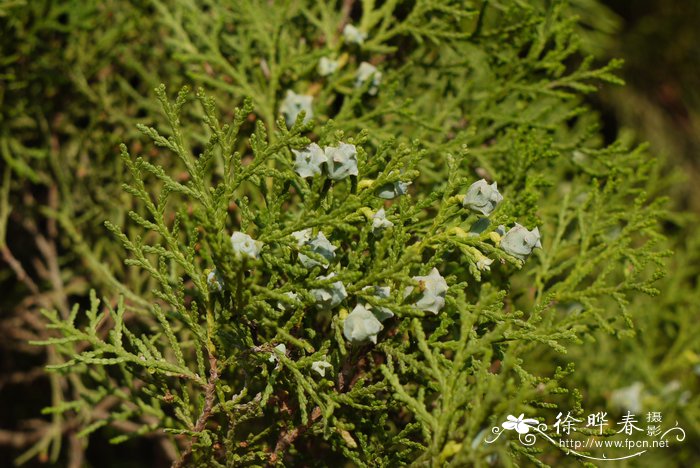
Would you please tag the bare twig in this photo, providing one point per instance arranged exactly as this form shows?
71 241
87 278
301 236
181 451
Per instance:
345 13
22 377
209 398
287 438
18 269
48 250
76 452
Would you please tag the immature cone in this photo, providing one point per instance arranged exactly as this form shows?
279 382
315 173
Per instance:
361 326
243 244
628 398
341 160
365 72
320 367
308 161
482 197
281 348
353 35
293 104
286 306
319 245
382 292
519 242
434 289
379 222
327 66
214 281
393 190
330 296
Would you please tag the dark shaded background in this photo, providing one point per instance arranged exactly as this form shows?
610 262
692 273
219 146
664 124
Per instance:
660 42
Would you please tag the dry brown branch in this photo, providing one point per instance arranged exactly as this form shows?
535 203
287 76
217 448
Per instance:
287 438
22 377
209 398
345 12
19 270
48 250
35 430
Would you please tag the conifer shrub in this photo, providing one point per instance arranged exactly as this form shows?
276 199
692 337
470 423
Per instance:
355 234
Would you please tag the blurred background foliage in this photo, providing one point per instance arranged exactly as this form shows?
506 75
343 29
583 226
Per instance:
660 104
73 75
661 101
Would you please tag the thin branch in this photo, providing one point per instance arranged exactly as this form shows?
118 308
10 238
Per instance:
287 438
18 269
345 13
209 398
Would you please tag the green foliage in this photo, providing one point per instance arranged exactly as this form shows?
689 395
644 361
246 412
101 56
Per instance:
187 347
